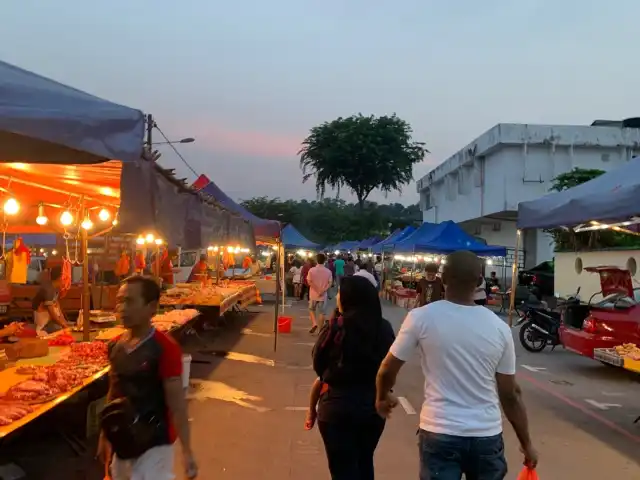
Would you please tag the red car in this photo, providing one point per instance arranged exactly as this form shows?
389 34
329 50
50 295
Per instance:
610 322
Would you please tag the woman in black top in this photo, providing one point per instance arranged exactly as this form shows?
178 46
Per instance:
346 359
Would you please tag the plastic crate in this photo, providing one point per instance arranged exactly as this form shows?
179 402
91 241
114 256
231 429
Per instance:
608 355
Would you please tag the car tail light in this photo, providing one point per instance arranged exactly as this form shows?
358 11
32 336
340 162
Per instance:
589 325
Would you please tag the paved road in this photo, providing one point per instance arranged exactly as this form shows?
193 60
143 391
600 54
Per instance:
248 410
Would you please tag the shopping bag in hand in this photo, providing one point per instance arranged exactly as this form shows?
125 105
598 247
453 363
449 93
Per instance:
528 474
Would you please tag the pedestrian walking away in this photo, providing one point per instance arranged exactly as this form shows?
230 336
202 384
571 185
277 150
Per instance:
319 279
146 409
346 357
469 364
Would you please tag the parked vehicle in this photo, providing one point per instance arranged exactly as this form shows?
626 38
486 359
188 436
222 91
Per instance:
610 322
539 279
541 325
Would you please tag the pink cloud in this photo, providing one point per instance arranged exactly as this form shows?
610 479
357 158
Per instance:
222 139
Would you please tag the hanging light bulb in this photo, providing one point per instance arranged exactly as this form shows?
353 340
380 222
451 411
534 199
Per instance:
41 219
104 215
158 241
11 206
149 237
230 249
140 240
66 218
87 224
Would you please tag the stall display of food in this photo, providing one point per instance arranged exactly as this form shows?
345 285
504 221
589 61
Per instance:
626 356
165 322
224 295
28 390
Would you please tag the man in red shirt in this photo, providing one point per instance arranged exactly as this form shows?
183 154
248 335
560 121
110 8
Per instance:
146 374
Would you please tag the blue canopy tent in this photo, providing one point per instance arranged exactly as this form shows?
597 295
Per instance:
292 238
445 238
265 230
397 236
611 196
347 245
368 243
43 121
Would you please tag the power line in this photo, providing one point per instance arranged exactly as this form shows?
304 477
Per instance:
176 151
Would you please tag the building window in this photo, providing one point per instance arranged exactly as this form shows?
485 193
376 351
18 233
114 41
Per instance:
425 199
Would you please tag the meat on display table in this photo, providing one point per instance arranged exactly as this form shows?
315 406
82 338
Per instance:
12 376
224 296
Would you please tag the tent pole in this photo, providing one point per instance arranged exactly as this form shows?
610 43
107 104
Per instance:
86 286
277 307
514 278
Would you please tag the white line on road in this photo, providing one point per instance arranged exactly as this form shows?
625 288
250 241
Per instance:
408 408
533 369
305 344
248 331
602 406
296 409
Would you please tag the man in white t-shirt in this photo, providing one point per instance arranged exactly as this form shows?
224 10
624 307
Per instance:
469 363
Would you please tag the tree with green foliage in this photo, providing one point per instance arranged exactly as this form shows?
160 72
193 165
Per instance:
361 153
332 220
567 239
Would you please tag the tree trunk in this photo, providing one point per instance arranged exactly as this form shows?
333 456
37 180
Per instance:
361 202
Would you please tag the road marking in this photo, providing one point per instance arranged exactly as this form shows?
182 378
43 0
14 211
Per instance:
602 406
590 413
612 394
299 367
296 409
305 344
408 408
533 369
248 331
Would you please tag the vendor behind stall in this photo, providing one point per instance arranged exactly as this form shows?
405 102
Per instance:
47 314
200 268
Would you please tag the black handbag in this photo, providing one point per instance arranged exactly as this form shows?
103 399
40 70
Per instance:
129 433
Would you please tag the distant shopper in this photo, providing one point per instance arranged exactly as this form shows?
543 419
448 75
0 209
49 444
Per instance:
480 295
339 267
296 271
367 272
350 267
304 283
469 365
320 280
430 287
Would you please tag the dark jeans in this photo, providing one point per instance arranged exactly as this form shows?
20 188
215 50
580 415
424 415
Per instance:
350 445
447 457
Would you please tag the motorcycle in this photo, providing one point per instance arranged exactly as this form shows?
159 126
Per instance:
540 326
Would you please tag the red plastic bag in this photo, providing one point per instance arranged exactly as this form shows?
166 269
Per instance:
528 474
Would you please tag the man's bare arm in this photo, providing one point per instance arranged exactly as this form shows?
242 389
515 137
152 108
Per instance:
174 394
511 400
387 374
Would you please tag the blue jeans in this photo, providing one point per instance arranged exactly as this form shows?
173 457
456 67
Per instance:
448 457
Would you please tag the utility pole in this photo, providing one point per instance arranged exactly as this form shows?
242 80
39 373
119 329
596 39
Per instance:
150 125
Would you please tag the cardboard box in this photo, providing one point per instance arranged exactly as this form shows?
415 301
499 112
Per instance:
26 348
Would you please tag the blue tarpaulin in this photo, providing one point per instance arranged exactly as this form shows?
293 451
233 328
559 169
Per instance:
43 121
611 196
395 237
368 243
445 238
263 229
292 238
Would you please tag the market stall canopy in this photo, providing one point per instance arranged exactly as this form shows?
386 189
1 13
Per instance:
292 238
444 238
43 121
347 245
397 236
611 196
368 243
263 229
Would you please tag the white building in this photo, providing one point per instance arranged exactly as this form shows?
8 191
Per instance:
481 185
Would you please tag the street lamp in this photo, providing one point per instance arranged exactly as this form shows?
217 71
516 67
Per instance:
184 140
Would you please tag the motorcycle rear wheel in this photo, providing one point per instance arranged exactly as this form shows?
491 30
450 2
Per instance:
530 339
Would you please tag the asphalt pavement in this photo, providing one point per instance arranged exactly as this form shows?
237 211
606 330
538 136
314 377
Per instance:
248 405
